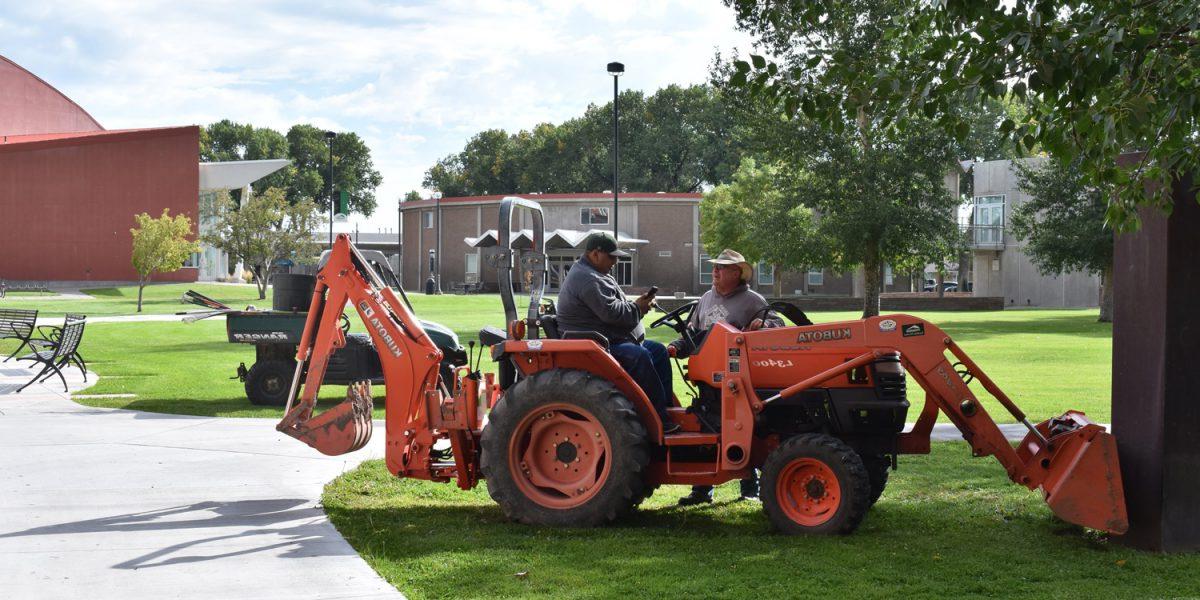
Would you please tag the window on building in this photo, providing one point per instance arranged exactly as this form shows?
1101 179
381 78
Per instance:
427 219
472 270
623 271
989 220
593 216
705 270
193 260
816 278
766 273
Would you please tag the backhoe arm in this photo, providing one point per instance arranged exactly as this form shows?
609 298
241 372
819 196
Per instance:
408 356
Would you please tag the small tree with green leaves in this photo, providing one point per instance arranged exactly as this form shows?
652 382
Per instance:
264 231
1063 225
160 246
754 217
411 196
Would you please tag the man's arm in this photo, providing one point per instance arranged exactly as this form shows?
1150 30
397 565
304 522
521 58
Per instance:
610 306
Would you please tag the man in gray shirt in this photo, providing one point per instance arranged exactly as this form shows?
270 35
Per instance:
729 301
591 300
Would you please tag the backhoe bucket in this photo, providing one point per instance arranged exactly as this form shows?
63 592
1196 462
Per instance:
341 429
1081 474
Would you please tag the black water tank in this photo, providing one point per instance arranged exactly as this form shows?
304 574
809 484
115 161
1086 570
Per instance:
292 292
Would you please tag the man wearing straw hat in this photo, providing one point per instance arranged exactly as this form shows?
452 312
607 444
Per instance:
729 301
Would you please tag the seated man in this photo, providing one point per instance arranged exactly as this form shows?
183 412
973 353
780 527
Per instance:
591 300
730 301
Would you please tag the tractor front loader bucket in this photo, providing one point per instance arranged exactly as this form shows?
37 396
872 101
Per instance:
341 429
1080 473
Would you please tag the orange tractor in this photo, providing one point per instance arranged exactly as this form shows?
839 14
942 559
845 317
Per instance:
563 436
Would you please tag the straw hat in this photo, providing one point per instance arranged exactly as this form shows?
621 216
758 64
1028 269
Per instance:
729 257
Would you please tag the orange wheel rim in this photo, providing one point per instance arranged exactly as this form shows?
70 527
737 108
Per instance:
559 456
808 491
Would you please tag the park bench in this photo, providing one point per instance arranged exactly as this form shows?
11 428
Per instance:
55 354
53 333
17 324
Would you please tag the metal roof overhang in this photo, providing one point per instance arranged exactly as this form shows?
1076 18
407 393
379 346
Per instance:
237 174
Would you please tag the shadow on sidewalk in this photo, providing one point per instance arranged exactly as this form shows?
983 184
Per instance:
303 529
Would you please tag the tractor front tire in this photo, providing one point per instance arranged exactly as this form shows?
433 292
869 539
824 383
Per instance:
267 382
815 484
878 468
564 448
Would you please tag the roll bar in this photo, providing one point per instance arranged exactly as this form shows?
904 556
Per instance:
534 261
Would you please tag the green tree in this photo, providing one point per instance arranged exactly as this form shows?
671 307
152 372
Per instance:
1064 225
411 196
877 183
676 140
353 170
264 231
752 215
160 246
1102 78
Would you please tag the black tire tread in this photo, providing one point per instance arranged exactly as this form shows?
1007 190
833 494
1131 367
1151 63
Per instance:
630 455
853 480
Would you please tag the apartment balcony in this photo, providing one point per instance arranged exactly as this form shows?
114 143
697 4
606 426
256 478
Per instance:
984 237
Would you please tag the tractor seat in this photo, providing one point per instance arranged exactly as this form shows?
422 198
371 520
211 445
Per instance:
549 325
595 336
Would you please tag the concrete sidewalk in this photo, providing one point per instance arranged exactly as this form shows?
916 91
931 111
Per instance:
101 503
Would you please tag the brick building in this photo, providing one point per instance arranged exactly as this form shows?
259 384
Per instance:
661 231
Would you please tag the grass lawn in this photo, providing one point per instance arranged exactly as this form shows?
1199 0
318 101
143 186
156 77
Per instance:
948 525
157 299
1046 360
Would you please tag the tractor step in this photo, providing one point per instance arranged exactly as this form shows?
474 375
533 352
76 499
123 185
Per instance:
693 439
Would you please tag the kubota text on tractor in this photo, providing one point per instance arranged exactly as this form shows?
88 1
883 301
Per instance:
565 436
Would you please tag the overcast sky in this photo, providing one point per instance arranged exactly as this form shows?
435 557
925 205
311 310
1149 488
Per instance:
414 79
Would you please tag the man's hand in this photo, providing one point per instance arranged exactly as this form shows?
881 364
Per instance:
643 303
672 351
755 325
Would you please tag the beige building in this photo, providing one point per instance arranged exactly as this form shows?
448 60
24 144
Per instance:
661 231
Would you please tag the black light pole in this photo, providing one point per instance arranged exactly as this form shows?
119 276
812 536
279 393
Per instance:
615 69
437 199
329 135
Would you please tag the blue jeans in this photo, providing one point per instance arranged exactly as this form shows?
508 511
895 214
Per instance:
650 366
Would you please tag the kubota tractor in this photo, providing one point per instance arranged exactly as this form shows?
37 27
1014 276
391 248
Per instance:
564 436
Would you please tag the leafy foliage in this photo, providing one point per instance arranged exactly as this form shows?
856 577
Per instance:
160 246
675 140
308 175
877 185
1101 78
265 230
753 216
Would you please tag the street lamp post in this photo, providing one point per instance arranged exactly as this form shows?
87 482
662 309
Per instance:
329 135
437 281
615 69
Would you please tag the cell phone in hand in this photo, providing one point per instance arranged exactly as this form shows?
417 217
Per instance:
651 292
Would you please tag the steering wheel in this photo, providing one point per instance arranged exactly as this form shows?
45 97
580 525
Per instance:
674 319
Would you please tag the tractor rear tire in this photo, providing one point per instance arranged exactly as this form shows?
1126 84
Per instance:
878 467
815 484
564 448
267 382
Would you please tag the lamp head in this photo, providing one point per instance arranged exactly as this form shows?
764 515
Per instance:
329 135
616 69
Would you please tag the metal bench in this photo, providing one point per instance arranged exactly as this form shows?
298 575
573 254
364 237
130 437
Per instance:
53 333
17 324
56 354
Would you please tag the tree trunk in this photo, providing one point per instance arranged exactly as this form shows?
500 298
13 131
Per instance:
141 286
778 281
871 281
1106 295
260 281
939 282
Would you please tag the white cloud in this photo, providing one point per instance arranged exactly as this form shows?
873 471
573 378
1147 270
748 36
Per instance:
415 79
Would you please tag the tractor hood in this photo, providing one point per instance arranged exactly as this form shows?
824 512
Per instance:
442 336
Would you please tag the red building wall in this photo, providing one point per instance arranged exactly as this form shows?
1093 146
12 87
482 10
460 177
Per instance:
30 105
67 204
